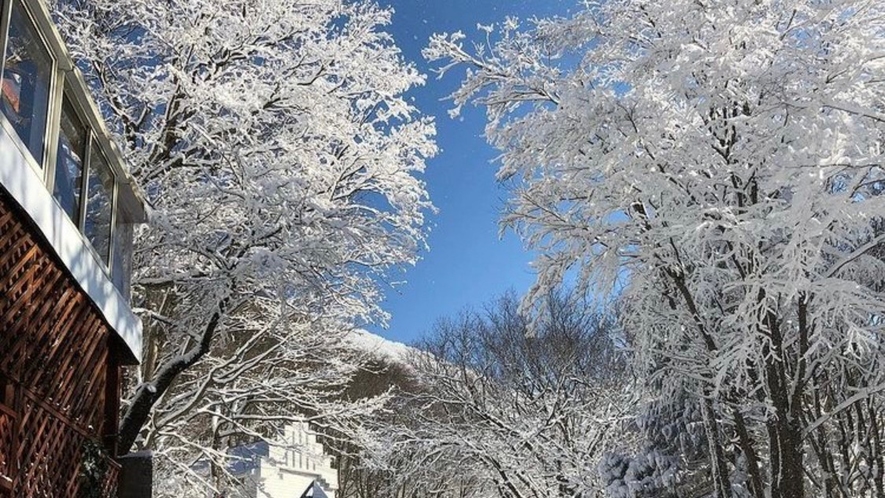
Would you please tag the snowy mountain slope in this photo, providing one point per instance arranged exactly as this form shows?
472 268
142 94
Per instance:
380 347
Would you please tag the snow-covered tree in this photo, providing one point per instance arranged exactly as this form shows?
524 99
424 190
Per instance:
280 161
720 163
498 411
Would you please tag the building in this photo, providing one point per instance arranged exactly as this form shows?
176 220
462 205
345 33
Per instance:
67 210
294 467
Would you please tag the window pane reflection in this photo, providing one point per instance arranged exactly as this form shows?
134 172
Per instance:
69 162
122 270
99 195
27 73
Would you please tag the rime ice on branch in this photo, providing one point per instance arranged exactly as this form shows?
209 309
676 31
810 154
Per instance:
724 159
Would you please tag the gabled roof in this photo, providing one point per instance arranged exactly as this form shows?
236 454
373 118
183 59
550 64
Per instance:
314 491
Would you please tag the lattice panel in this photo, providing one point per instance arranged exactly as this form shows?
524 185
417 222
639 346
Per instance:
49 459
7 439
54 341
113 478
7 435
55 347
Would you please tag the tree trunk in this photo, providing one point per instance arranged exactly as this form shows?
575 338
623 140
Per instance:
784 429
147 395
721 483
787 471
757 489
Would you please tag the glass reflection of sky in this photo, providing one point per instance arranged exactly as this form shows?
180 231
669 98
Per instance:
26 79
69 162
99 189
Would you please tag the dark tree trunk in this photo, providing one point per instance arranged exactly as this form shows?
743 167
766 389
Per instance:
784 429
787 474
721 483
757 490
139 410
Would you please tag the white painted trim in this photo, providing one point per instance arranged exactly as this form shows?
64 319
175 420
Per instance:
25 186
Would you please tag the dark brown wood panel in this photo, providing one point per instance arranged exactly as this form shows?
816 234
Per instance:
55 369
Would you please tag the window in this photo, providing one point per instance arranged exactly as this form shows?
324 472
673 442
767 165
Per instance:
69 163
121 273
27 75
99 207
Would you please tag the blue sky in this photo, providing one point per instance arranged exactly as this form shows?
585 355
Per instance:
468 264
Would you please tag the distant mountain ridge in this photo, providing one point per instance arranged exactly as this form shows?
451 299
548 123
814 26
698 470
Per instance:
382 348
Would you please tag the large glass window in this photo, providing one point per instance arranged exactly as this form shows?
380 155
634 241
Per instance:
27 75
99 199
69 161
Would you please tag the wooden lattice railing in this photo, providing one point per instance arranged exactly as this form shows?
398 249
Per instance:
8 425
55 368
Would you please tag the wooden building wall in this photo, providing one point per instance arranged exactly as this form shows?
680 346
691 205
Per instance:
59 379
